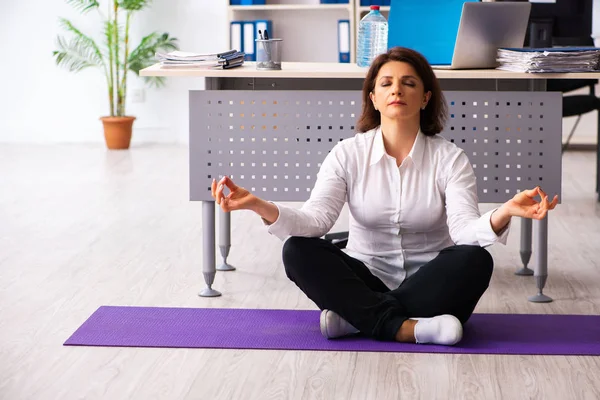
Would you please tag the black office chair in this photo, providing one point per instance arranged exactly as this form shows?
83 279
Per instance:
575 105
578 105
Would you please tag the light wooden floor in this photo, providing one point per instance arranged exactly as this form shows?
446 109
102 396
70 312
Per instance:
81 227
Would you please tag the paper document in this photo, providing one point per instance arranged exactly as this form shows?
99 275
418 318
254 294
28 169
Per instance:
555 59
182 59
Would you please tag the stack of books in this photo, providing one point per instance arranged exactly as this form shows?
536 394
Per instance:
554 59
182 59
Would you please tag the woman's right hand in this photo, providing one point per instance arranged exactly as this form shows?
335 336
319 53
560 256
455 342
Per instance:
238 198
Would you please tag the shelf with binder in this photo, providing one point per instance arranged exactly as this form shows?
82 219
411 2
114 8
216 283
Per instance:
310 35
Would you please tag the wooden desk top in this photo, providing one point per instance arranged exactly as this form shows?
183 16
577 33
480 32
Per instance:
339 70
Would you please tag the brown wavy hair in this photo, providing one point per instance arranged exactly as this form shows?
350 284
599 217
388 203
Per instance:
433 117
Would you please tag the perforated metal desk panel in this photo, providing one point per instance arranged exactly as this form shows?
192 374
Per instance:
273 142
270 130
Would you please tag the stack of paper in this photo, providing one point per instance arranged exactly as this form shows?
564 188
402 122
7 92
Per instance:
555 59
182 59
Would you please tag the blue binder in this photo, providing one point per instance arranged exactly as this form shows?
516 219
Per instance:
432 33
248 43
344 40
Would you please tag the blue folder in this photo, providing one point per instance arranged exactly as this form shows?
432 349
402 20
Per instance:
344 41
248 43
427 26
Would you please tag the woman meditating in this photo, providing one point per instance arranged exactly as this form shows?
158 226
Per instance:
415 265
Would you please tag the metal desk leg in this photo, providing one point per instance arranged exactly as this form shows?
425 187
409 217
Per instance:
224 239
541 258
525 247
208 249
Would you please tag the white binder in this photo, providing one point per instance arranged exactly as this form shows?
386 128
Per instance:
236 38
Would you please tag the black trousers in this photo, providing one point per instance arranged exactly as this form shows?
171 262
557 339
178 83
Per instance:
452 283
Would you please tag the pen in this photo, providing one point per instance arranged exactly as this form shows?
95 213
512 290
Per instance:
265 37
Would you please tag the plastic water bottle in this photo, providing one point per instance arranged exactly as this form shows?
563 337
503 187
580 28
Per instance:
372 37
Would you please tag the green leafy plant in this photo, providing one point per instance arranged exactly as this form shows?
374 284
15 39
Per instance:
113 56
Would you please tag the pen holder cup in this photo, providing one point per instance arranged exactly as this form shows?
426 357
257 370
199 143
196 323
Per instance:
268 54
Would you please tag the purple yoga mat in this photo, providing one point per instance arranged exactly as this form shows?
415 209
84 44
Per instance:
299 330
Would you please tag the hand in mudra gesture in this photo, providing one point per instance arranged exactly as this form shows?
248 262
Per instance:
237 199
525 205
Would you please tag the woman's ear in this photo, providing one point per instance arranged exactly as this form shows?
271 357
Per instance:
372 97
426 99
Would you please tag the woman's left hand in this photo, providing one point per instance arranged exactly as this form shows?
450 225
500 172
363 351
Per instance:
523 204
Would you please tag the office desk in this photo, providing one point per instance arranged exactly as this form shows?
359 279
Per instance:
270 130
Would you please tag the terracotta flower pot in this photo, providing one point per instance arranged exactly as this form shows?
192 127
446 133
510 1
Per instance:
117 131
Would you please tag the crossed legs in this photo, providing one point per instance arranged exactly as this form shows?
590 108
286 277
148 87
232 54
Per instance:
452 283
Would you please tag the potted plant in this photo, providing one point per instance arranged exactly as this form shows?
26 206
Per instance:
113 58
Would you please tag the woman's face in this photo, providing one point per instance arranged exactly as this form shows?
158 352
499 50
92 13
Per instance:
399 92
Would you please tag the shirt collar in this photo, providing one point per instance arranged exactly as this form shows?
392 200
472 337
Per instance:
416 153
378 149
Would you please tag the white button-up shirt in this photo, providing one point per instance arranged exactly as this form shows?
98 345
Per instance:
400 217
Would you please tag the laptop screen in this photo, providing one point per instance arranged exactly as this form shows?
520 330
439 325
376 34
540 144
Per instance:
429 27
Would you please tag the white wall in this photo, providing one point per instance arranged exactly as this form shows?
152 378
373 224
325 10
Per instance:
44 103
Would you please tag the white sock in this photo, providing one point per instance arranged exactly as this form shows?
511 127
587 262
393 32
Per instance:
443 329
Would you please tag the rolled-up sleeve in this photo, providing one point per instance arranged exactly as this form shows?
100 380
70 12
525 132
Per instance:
465 223
317 215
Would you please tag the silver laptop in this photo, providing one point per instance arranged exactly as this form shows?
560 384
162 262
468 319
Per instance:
483 29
